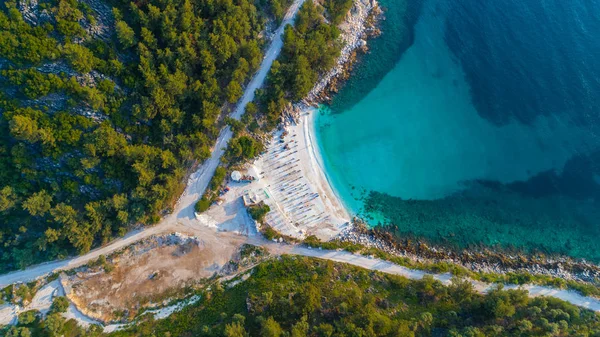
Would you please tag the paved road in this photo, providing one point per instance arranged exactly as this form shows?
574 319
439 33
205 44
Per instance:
197 183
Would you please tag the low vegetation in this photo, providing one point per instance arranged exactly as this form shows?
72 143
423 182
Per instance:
242 149
33 324
212 192
307 297
202 205
295 296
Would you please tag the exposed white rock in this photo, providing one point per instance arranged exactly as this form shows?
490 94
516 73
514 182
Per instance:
353 32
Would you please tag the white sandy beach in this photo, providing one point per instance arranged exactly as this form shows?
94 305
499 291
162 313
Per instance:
183 219
292 182
332 198
302 200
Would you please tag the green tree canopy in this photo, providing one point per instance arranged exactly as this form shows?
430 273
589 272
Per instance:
126 35
38 203
270 328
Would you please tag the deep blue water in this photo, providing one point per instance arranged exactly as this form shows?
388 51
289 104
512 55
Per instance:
475 123
523 59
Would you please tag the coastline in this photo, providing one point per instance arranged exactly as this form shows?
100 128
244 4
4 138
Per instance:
318 164
301 196
294 185
485 259
357 28
360 26
314 171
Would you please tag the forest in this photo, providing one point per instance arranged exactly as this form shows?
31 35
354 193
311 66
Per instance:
311 47
298 296
105 110
97 132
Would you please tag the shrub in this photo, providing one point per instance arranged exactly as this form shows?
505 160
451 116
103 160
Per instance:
258 212
59 305
28 317
270 233
24 292
202 205
218 178
243 148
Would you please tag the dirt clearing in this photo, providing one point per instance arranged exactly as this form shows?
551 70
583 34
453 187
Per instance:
148 274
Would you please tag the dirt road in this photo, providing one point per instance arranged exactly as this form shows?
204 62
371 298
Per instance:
391 268
197 183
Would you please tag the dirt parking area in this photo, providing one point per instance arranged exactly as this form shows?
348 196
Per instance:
149 273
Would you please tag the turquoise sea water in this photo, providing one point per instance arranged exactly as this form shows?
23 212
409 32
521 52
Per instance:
478 127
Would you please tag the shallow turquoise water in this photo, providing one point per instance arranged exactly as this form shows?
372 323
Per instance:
416 151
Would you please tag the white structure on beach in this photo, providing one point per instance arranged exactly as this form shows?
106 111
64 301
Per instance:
236 176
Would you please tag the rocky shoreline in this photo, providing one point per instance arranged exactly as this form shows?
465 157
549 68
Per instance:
360 25
483 260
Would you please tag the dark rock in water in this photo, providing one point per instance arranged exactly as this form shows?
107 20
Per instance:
495 215
576 180
479 259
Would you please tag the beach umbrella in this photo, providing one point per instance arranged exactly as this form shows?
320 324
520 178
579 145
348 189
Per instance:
236 175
